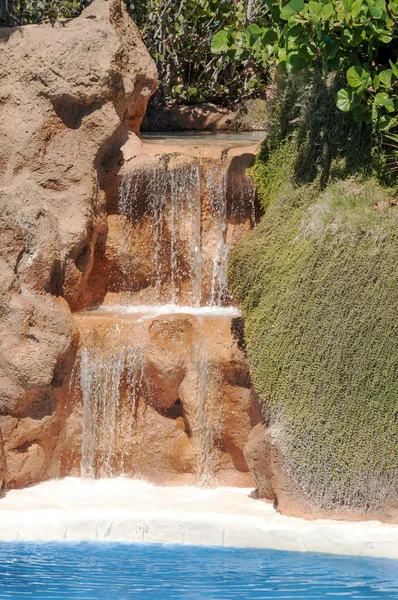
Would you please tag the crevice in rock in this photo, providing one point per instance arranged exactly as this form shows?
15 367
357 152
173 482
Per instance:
174 411
71 112
83 258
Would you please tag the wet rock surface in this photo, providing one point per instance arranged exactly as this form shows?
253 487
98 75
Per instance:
69 96
165 398
174 212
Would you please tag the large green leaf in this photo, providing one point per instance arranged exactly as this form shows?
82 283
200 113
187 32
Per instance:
386 77
295 63
358 78
219 43
315 8
270 37
327 11
291 9
345 99
383 99
362 113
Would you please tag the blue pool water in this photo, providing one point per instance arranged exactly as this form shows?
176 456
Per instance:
97 571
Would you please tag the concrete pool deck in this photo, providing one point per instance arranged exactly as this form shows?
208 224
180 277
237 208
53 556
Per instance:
134 511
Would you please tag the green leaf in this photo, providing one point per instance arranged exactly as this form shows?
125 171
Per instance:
254 29
362 113
384 122
386 77
383 99
219 43
315 8
347 5
295 63
327 11
386 39
270 37
356 8
345 99
295 32
358 37
394 67
291 9
358 78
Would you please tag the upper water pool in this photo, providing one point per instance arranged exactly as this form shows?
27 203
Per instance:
96 571
189 138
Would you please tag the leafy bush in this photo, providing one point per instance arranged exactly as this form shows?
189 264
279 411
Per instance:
178 35
358 37
23 12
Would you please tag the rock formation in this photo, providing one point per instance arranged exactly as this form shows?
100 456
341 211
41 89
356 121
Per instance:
70 94
174 211
164 398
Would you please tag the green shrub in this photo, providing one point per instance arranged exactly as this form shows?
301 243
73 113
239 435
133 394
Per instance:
318 284
178 35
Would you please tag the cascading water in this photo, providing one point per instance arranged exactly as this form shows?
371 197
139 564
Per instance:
206 430
216 184
171 194
102 374
187 205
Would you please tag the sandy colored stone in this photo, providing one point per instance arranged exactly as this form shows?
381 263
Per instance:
70 93
129 269
194 379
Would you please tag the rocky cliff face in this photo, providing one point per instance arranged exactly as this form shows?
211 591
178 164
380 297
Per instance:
69 97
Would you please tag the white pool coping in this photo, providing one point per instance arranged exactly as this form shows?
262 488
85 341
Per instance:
134 511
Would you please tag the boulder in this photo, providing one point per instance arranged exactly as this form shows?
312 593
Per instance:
70 95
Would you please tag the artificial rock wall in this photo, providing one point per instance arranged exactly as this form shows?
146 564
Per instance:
70 95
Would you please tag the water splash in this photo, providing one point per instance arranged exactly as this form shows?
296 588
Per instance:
101 375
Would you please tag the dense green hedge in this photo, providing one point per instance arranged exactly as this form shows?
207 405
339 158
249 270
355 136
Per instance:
318 284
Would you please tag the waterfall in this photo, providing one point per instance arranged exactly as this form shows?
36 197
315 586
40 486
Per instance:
103 372
216 184
177 218
172 193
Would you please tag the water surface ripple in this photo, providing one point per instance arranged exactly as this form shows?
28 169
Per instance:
116 571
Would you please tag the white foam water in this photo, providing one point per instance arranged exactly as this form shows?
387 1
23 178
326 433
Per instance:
165 309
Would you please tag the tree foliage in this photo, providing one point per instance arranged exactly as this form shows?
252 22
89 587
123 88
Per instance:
358 37
178 34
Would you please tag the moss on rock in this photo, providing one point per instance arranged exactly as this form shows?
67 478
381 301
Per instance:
318 284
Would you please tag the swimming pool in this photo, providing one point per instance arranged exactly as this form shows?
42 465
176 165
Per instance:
116 571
